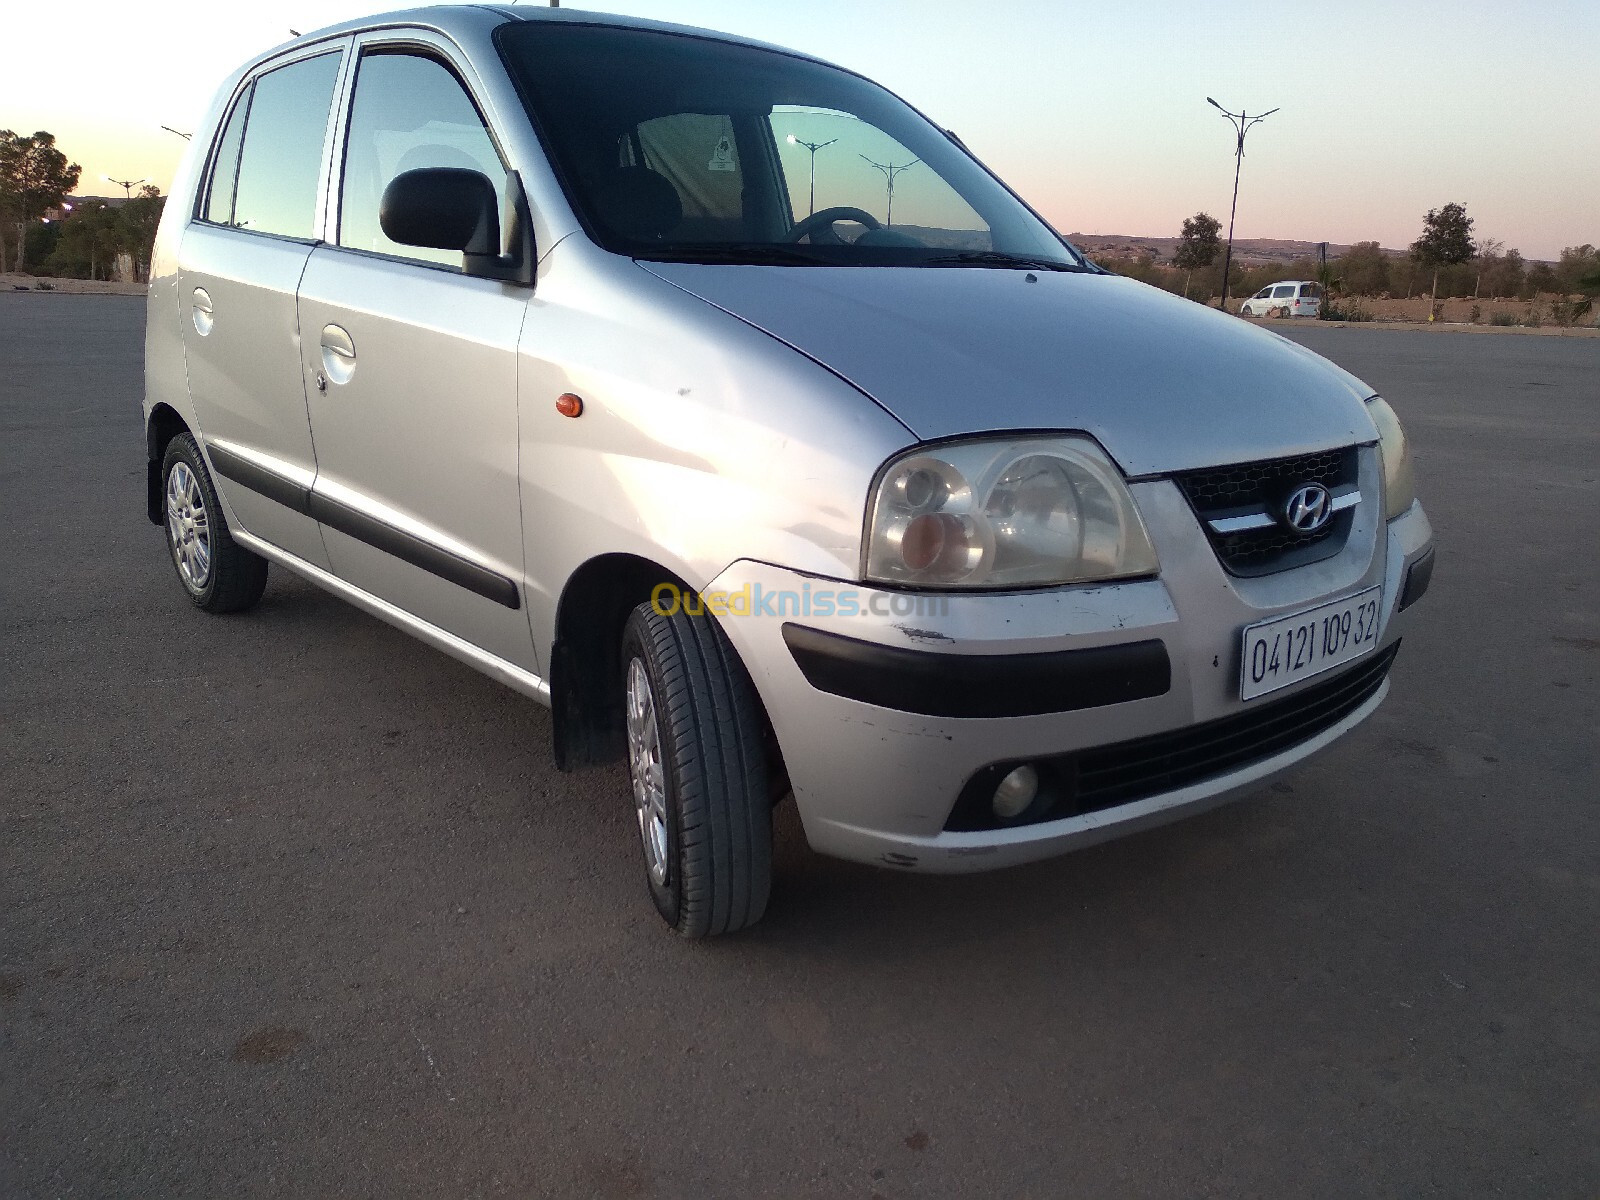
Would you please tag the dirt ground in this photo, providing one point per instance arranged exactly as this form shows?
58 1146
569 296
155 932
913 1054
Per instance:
10 282
1457 311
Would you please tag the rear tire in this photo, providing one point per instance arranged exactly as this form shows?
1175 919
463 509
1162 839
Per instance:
219 575
697 762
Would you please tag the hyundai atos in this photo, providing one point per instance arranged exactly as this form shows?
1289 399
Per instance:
714 397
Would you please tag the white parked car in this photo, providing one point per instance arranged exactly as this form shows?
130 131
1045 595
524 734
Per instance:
1288 298
542 336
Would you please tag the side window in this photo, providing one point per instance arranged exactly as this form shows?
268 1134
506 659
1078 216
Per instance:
1283 291
409 112
282 158
225 167
698 154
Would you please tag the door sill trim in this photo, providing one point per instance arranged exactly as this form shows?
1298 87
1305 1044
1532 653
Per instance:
492 665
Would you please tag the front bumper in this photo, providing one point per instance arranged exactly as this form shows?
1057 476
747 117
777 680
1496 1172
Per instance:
878 784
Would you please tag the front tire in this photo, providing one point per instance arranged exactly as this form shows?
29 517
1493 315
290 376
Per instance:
219 575
697 762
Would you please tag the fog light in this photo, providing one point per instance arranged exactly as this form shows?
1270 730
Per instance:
1016 791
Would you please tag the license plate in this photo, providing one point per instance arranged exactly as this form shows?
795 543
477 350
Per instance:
1288 649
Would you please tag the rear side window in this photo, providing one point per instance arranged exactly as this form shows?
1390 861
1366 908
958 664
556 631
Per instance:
1283 291
281 161
698 154
225 167
1310 291
409 112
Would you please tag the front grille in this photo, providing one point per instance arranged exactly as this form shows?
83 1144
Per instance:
1263 487
1106 776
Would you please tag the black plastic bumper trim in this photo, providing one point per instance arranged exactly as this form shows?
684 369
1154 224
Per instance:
1418 575
979 685
407 547
1104 777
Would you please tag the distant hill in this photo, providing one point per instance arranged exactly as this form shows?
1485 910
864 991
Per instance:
1246 251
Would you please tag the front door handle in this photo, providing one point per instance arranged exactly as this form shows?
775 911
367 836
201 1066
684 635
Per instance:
338 354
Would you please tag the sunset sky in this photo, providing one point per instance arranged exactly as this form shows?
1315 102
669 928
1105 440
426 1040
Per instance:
1096 113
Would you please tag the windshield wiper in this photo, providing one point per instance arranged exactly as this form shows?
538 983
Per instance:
998 258
749 253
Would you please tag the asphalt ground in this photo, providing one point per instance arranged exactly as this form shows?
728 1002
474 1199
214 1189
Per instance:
292 905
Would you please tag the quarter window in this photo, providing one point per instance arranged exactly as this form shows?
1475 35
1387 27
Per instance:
409 112
281 162
225 168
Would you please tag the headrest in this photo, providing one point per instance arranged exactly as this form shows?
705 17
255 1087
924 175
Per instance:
638 203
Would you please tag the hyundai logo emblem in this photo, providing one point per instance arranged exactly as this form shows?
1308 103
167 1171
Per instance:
1308 508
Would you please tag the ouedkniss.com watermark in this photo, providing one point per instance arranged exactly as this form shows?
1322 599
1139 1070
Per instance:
753 600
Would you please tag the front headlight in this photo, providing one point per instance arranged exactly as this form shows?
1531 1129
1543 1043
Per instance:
1024 512
1399 486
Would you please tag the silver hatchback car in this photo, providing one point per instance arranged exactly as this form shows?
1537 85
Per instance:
717 399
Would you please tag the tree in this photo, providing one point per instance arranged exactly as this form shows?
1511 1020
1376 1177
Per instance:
1577 262
136 226
34 178
1503 276
1589 287
1364 269
1541 277
1488 254
89 238
1198 245
1446 239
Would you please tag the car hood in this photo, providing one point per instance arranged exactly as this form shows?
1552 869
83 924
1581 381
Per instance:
1162 383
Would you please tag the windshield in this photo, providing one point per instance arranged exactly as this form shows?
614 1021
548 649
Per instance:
689 149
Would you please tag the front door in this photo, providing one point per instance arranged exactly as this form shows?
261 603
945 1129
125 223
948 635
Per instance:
238 268
412 373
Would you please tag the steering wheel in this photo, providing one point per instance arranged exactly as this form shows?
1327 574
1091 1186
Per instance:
818 221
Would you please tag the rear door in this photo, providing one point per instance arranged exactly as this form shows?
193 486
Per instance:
238 270
412 367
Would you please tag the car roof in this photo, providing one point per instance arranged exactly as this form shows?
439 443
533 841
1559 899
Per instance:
468 20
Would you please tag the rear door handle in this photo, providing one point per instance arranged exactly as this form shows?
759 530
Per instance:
200 306
338 354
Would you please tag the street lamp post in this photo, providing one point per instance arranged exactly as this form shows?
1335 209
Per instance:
1242 121
127 185
813 147
889 173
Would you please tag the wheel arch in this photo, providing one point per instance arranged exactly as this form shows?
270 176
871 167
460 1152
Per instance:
585 656
586 661
160 427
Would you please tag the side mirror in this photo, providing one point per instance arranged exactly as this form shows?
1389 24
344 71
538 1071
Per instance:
451 208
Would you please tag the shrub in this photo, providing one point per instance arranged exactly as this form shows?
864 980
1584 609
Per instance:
1475 315
1345 310
1503 318
1532 319
1567 310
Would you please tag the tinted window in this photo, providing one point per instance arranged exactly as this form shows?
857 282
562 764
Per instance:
695 149
225 167
1283 291
698 154
409 112
282 159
